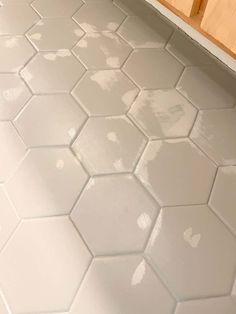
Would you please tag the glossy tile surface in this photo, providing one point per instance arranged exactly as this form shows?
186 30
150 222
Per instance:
168 169
117 163
182 248
111 92
122 208
159 68
163 113
214 131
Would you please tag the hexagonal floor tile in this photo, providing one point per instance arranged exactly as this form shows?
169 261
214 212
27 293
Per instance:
159 68
8 218
109 145
139 34
13 95
208 87
214 131
4 2
53 177
102 50
54 34
12 150
60 116
168 169
223 197
110 92
115 214
99 16
44 72
16 20
56 8
135 287
188 51
15 51
163 113
226 305
43 279
183 249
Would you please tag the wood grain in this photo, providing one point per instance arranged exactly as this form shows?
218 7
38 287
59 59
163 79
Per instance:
187 7
219 20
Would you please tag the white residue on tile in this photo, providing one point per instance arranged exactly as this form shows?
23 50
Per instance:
192 240
12 94
111 136
105 79
60 164
144 221
113 62
11 42
139 273
36 36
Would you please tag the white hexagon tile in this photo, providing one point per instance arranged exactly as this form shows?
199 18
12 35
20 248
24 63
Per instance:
117 163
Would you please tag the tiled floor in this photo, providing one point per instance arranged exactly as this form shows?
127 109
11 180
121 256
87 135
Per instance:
117 164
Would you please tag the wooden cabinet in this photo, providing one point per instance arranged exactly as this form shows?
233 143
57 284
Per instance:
187 7
215 19
219 20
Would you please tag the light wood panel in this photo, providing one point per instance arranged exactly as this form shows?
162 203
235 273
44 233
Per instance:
219 20
187 7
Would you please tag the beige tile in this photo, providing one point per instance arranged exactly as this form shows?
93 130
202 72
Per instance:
56 8
4 2
214 131
54 34
43 73
141 35
46 276
187 50
54 179
223 197
193 252
16 20
13 95
15 51
3 306
60 116
115 214
8 219
226 305
110 92
168 169
12 150
153 68
122 5
163 113
208 87
102 50
122 285
99 16
109 145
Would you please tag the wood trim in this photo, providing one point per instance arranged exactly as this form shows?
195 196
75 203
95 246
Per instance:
187 7
195 22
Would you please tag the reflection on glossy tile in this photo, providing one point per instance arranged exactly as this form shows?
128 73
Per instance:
214 131
53 177
102 50
56 8
15 51
159 68
223 197
110 92
163 113
187 51
226 305
16 19
168 169
57 253
8 219
12 150
13 95
115 135
188 246
99 16
122 285
55 33
141 35
208 87
43 73
3 305
123 208
60 115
